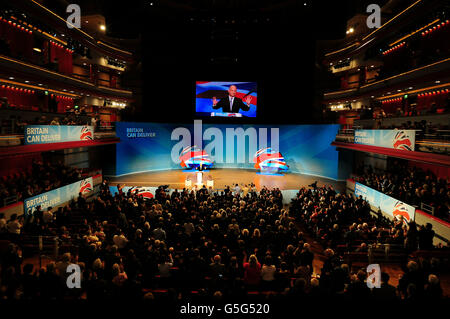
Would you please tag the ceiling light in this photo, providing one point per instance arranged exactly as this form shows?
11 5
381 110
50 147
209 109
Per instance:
102 27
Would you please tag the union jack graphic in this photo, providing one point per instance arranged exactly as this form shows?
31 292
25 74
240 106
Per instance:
400 209
85 187
268 160
192 157
86 134
141 191
402 141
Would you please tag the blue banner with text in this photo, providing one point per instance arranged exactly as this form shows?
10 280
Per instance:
43 134
387 204
58 196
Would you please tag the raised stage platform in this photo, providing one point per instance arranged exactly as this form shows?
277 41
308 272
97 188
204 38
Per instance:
224 177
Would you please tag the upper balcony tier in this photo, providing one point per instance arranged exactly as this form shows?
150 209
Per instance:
360 38
30 48
414 80
17 69
96 42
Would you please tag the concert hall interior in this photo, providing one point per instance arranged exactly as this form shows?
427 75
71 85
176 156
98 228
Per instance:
208 153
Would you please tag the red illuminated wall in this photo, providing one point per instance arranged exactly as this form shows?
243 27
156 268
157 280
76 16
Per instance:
20 98
64 57
439 171
425 100
19 163
20 40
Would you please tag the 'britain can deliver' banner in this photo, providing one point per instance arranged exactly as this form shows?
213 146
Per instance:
58 196
398 139
43 134
387 204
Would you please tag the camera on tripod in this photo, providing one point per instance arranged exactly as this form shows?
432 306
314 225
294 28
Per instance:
313 185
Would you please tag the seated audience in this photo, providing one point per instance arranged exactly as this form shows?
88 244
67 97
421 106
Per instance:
127 243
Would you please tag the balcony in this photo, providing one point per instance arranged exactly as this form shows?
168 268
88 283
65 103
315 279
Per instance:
420 77
13 123
57 24
432 145
437 120
419 56
12 66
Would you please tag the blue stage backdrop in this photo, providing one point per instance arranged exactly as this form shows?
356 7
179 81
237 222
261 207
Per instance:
150 147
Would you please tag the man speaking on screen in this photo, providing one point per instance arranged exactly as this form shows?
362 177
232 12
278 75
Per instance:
231 103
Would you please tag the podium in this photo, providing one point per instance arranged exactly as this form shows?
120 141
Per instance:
199 178
226 114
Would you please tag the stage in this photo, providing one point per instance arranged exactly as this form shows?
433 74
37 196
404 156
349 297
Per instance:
222 178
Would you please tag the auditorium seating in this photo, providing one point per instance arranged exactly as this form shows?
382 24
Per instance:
34 181
398 122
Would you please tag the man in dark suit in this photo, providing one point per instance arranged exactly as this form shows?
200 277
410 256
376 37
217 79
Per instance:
231 103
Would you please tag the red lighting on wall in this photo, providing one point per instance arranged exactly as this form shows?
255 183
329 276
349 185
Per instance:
394 48
392 100
435 28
